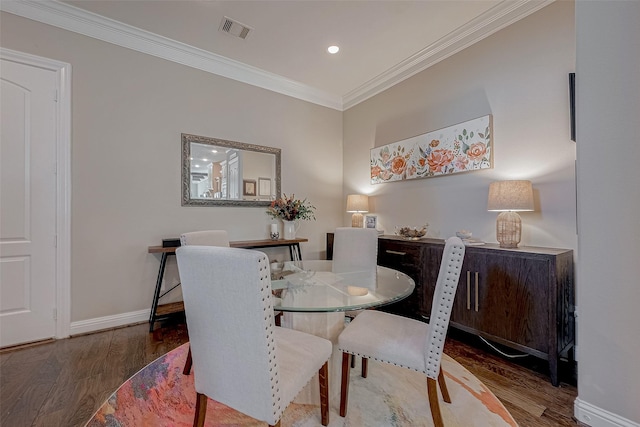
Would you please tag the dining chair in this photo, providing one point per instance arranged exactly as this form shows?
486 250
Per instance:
241 358
407 342
354 249
205 238
202 238
208 238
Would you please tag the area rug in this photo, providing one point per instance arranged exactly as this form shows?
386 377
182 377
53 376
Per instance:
160 395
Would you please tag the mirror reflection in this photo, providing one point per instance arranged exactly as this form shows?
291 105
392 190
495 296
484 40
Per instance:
218 172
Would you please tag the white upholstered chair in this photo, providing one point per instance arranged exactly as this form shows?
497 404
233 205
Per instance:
406 342
205 238
208 238
202 238
355 249
241 358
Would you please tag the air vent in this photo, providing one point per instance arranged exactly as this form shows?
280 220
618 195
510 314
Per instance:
234 28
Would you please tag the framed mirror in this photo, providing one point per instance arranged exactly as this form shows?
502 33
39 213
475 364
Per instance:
217 172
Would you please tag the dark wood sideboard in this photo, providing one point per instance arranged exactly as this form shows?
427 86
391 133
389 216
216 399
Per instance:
521 298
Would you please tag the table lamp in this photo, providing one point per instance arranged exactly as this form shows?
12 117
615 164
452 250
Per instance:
508 197
357 203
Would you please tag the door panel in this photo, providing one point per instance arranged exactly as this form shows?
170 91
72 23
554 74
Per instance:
466 307
517 296
28 203
432 269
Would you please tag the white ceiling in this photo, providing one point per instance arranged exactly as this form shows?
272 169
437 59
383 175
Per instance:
381 42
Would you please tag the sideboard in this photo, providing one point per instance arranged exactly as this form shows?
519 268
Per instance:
521 298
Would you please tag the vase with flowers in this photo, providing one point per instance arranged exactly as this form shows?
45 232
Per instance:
291 210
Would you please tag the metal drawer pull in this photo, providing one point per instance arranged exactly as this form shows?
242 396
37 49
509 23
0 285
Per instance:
468 290
389 251
477 290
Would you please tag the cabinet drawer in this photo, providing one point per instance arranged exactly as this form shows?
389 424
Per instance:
399 254
407 258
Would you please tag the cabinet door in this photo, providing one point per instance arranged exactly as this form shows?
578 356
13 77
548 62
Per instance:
433 259
469 295
514 302
407 258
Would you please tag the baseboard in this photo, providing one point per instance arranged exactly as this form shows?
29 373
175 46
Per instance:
108 322
593 416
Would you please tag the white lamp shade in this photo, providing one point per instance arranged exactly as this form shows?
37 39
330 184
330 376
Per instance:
510 196
357 203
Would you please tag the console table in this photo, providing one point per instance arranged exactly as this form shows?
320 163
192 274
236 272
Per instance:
521 298
163 311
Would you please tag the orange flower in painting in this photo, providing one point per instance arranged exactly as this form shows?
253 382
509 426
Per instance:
434 143
422 161
439 159
477 151
398 165
375 171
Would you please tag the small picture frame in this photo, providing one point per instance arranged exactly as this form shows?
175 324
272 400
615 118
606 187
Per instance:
371 221
264 186
248 187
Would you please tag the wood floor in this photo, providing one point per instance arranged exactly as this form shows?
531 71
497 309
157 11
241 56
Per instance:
522 385
62 383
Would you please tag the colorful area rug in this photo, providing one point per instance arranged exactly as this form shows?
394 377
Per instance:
160 395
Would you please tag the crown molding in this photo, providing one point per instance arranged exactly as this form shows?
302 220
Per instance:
500 16
77 20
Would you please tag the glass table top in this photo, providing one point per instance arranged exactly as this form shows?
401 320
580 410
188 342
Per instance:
311 286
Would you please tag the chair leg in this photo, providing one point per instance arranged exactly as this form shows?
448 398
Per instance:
344 384
187 363
201 410
432 391
353 361
278 318
443 387
323 376
365 367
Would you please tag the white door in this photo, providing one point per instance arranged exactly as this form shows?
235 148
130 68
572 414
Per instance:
234 187
27 203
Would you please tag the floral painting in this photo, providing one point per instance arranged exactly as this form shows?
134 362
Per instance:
459 148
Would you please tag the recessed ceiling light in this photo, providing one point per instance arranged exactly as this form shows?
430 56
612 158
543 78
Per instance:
333 49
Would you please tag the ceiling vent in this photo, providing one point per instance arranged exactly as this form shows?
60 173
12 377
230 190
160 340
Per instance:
234 28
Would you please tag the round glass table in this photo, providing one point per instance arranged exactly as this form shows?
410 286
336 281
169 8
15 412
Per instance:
311 286
314 299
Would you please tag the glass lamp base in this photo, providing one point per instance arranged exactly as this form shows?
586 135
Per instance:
508 229
357 220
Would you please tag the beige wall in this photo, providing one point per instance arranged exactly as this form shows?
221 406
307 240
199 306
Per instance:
520 76
608 106
129 110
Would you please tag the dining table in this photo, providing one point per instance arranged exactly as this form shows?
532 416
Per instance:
314 299
312 287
